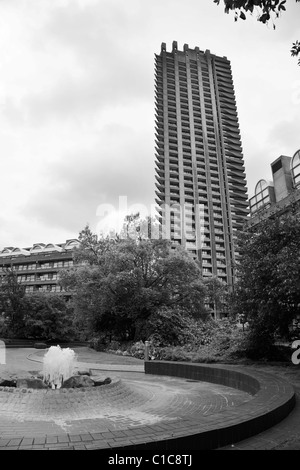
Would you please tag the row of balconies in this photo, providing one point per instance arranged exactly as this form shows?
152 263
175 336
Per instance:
44 288
35 267
35 279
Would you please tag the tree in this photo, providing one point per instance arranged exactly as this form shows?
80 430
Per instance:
126 281
49 317
295 51
136 228
267 10
91 247
12 305
35 315
169 326
267 290
131 227
216 295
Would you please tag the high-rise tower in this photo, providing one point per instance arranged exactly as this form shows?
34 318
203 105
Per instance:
201 185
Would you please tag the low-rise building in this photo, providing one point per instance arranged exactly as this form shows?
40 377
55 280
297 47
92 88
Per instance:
279 195
38 267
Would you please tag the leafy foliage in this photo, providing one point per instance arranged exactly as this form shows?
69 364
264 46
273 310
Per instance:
201 341
12 307
295 51
217 294
48 317
136 228
122 284
267 290
267 10
264 8
171 326
36 315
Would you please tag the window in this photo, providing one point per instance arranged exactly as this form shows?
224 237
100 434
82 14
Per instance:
58 264
29 289
68 263
262 196
295 167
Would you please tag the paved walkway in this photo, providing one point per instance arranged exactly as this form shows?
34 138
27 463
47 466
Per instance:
133 409
286 434
283 436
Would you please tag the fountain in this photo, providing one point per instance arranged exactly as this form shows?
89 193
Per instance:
60 371
70 411
58 365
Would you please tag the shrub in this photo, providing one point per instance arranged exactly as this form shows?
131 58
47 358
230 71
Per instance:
212 341
114 345
99 342
137 350
170 326
207 342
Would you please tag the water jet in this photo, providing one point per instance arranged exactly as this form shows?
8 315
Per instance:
58 365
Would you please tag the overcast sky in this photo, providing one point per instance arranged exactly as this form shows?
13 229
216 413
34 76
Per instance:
77 103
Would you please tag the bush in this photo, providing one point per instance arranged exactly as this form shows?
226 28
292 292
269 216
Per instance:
114 345
212 341
99 342
259 340
170 326
199 341
206 342
137 350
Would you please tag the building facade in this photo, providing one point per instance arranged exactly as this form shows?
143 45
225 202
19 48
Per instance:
279 195
200 176
38 267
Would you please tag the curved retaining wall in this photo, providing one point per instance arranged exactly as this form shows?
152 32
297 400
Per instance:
273 399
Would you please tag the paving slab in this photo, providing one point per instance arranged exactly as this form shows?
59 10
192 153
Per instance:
135 408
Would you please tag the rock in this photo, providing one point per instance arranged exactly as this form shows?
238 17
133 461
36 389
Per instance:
78 381
9 379
7 382
101 381
31 383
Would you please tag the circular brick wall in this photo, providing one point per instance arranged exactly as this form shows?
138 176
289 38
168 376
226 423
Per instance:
273 399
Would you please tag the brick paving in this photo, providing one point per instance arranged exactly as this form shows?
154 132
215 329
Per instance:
284 436
133 409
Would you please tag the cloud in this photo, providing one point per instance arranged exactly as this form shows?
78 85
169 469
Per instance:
285 137
119 164
77 102
83 64
281 138
85 98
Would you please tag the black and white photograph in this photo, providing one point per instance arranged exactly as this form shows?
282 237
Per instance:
150 228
